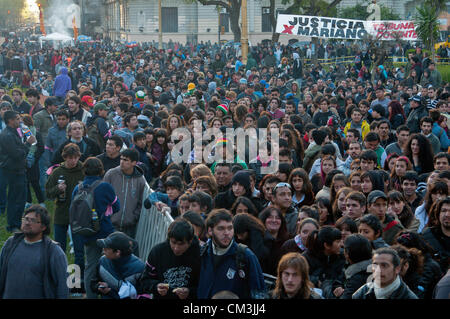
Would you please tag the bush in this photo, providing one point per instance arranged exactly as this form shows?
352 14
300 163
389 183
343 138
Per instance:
414 51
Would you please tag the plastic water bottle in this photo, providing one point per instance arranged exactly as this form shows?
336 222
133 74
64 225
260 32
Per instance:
27 132
62 196
95 221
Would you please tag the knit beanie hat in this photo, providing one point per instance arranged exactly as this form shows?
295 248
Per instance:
243 178
223 108
140 95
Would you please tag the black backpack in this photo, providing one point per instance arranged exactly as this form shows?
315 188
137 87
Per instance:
81 211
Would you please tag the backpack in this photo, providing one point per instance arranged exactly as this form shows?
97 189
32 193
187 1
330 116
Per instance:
94 134
80 211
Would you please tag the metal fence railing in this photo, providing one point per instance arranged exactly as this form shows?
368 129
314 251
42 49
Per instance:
152 227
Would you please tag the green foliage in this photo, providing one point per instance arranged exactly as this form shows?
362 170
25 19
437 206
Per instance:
359 12
414 51
427 25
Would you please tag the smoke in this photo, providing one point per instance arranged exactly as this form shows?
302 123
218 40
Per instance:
59 15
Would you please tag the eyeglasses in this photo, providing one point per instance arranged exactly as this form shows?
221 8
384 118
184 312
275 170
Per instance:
30 220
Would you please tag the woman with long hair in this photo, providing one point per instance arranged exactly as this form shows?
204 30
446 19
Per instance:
389 163
173 122
275 236
243 205
339 202
436 191
339 181
297 244
371 180
249 230
399 207
402 164
431 270
397 115
325 209
355 180
327 164
302 188
293 279
419 151
324 256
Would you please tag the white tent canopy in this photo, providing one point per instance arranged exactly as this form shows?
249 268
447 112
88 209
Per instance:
57 37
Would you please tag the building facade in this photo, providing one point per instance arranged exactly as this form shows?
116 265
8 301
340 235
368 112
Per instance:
137 20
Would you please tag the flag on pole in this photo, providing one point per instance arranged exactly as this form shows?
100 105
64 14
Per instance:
41 20
75 29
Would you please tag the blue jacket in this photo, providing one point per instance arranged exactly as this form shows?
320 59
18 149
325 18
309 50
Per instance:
226 276
104 195
115 272
441 134
162 197
63 83
55 138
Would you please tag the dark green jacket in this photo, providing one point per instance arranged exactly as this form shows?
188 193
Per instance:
72 177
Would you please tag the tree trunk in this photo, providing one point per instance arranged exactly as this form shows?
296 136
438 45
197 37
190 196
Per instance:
314 56
273 22
234 23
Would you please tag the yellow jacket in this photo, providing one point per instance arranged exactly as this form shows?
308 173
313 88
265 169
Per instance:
365 128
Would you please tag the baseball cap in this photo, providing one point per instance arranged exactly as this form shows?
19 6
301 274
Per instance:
416 98
243 81
374 195
117 241
88 100
158 88
100 106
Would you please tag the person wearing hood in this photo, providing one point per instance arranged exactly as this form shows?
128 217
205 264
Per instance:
297 68
62 85
98 126
129 183
240 186
251 62
70 173
172 269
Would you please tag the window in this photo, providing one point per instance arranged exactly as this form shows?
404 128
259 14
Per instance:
169 19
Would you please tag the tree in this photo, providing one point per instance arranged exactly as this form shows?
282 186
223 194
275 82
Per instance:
312 8
234 9
427 26
359 12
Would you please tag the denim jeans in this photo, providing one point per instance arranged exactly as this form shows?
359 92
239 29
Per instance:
78 246
17 196
3 186
93 254
43 166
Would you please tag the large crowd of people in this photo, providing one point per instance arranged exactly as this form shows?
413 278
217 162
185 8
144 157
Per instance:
358 207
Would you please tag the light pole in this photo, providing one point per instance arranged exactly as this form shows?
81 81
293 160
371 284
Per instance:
160 39
244 33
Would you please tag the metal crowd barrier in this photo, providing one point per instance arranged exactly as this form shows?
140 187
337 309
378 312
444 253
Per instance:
152 227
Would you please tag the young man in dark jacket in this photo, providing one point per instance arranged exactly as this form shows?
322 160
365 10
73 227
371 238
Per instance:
387 283
220 270
358 253
13 153
173 267
59 187
118 269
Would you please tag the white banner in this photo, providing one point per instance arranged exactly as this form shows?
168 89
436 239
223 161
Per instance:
346 29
